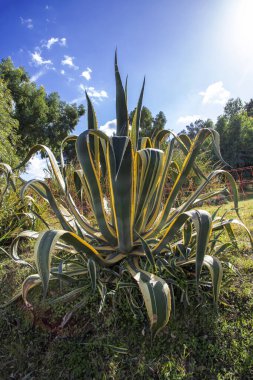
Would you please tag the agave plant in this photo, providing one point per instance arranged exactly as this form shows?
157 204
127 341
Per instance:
134 227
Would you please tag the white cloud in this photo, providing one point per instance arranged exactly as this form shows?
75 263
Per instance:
55 40
93 93
36 168
86 73
62 72
28 23
109 128
78 100
38 60
51 42
96 94
37 75
215 94
63 41
82 87
47 7
68 61
188 119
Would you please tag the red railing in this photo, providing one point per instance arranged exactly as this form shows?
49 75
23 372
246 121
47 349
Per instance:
243 177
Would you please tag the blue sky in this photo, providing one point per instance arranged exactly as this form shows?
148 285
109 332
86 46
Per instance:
195 54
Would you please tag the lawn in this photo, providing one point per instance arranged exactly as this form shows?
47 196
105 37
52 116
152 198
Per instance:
198 342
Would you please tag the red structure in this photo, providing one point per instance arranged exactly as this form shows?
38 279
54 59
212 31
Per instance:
243 177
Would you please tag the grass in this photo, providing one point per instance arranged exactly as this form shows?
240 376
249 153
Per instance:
198 343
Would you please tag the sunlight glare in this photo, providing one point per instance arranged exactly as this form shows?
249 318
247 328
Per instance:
243 27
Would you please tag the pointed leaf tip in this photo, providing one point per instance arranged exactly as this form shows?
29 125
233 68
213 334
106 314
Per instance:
121 104
116 57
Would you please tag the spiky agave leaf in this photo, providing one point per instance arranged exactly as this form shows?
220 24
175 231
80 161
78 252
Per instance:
120 161
46 243
156 295
121 104
136 119
220 225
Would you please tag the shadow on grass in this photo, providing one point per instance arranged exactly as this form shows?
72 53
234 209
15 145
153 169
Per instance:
198 342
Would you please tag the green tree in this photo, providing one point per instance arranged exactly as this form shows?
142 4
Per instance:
159 122
42 118
193 128
235 127
233 107
149 124
249 108
62 119
8 127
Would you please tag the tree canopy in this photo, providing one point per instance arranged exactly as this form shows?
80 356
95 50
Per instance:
8 127
193 128
235 127
42 118
149 125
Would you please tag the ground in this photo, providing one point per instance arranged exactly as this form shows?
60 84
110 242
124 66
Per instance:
198 342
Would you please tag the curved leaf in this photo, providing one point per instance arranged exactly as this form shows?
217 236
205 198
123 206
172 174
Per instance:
56 170
203 224
222 224
46 243
66 140
15 243
91 177
93 273
156 295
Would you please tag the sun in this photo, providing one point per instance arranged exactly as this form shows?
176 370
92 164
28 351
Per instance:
243 26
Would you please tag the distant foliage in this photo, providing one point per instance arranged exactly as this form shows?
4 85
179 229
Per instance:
8 127
192 129
149 125
235 127
41 117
